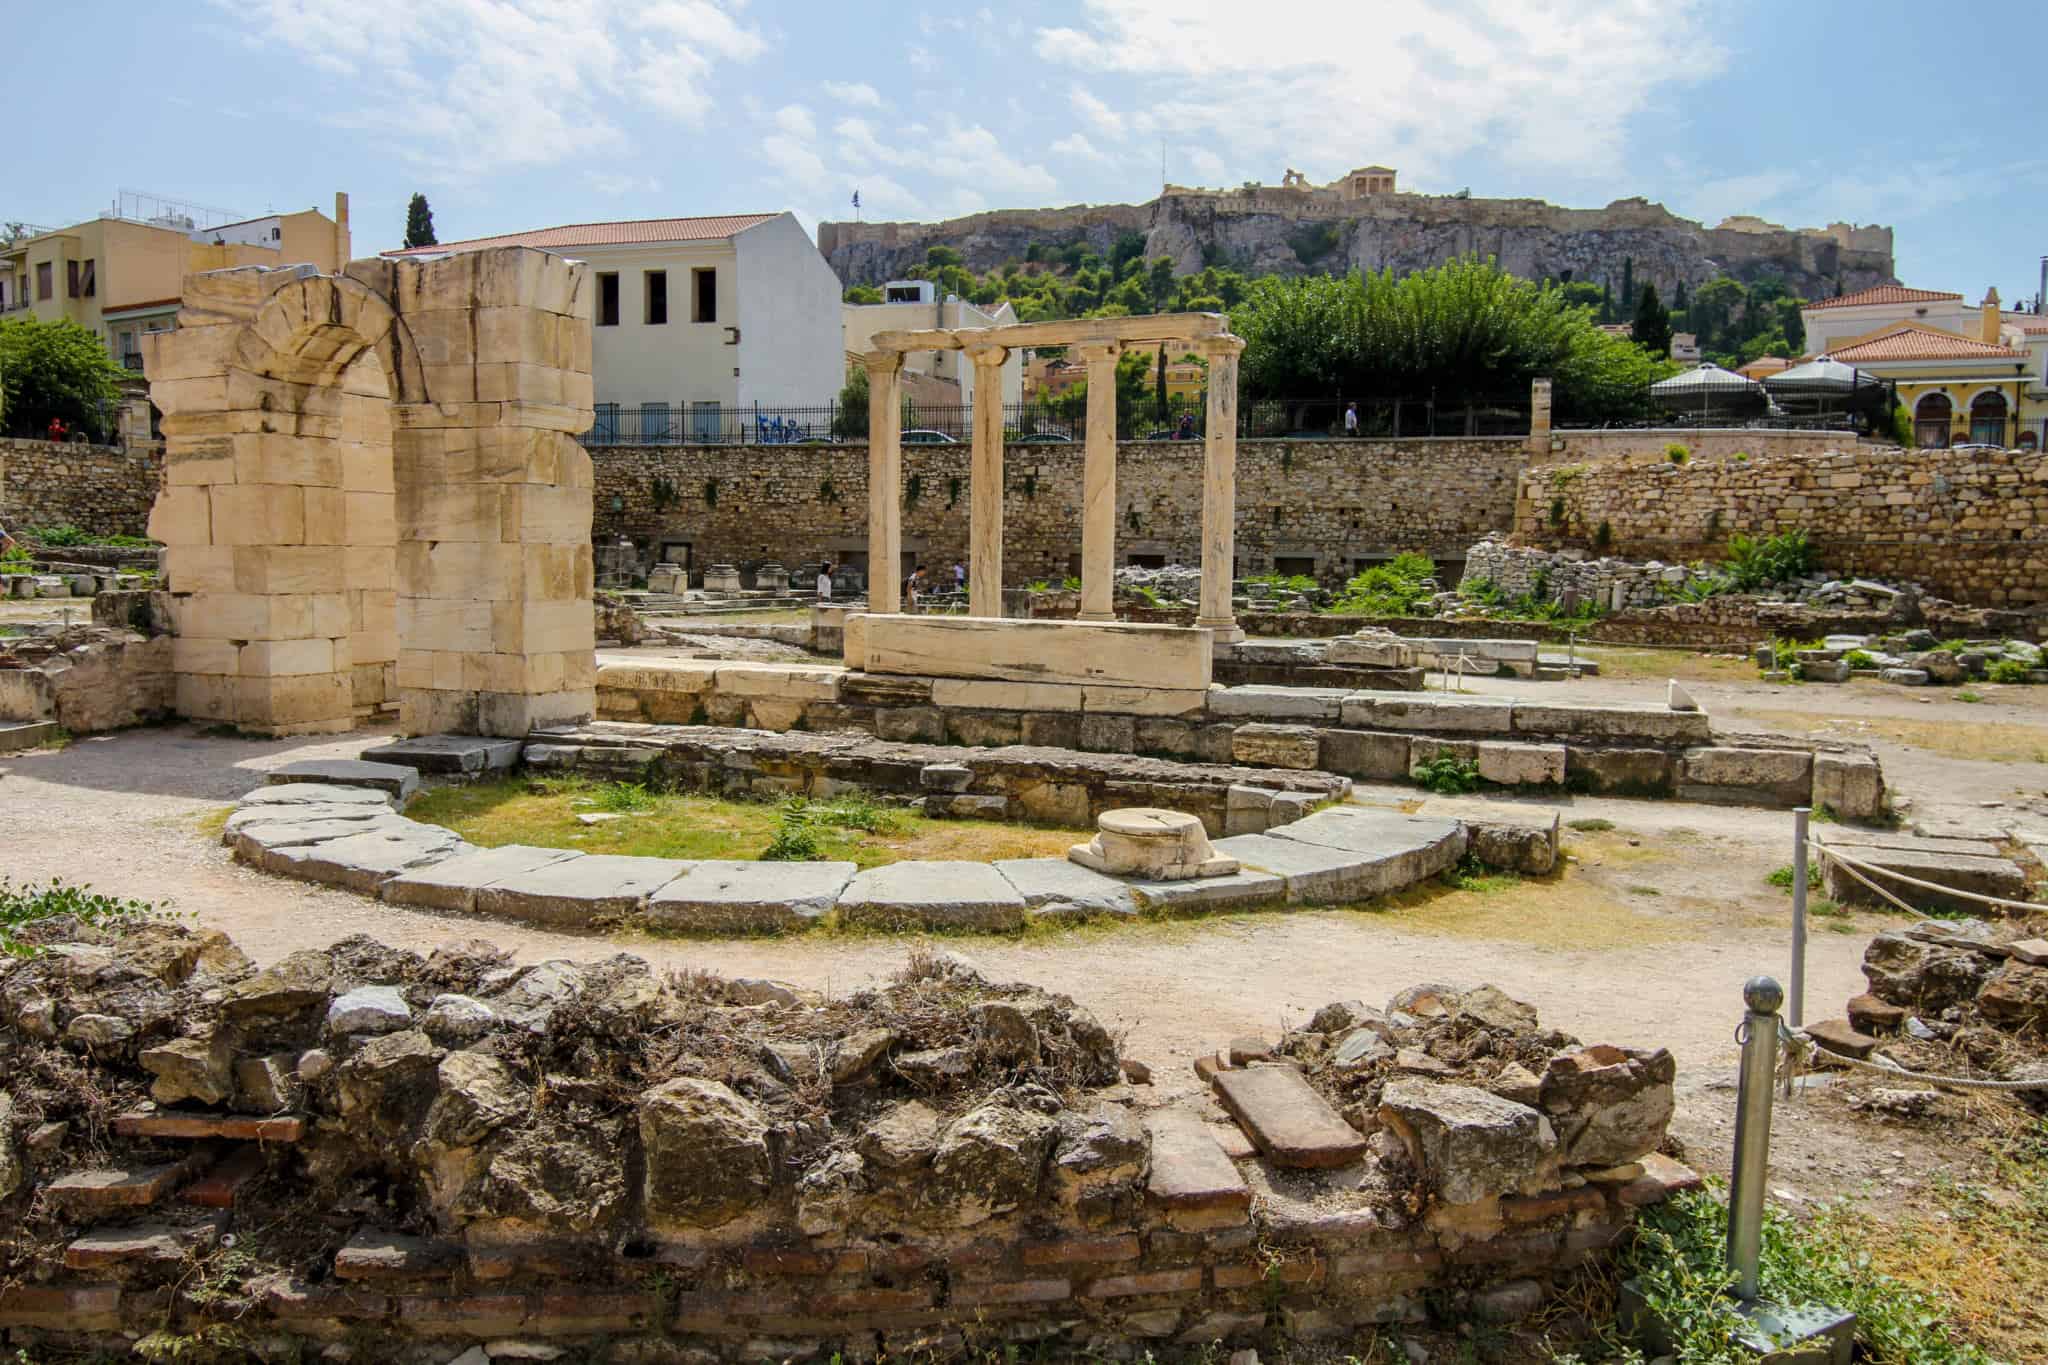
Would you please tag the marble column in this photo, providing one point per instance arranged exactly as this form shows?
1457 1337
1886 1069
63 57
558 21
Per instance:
985 485
1219 490
1098 486
885 480
1539 417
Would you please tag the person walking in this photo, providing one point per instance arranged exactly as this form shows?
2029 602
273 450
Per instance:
825 581
1351 420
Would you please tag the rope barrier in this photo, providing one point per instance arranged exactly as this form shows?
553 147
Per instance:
1846 861
1898 1072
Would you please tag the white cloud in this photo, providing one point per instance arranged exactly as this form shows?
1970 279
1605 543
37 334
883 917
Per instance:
619 183
1548 85
973 155
860 145
858 94
1076 146
1208 167
921 58
468 87
796 121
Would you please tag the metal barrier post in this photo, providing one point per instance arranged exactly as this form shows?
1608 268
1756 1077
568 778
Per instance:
1759 1038
1796 1006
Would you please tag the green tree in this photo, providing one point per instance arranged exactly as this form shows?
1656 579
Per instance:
863 293
939 257
1583 294
850 420
1678 304
1126 252
1159 387
1159 279
56 370
1652 329
419 223
1716 308
1606 303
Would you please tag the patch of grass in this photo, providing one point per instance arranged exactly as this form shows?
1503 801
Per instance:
1592 826
1472 875
2006 671
1644 891
1783 877
623 798
1967 695
1683 665
542 811
22 906
1842 1259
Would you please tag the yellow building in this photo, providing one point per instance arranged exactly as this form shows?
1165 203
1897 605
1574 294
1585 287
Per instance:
1964 375
121 277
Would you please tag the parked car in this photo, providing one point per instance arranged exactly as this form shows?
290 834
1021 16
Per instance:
1040 438
1977 448
926 437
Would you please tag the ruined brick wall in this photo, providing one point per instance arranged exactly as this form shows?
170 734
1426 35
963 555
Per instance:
102 489
1969 527
1332 502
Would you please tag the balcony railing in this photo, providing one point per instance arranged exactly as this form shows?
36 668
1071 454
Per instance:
132 360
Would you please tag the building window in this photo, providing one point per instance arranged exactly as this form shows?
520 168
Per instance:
705 285
608 300
44 275
656 290
87 283
71 278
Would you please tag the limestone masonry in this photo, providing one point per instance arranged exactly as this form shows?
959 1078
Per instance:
102 489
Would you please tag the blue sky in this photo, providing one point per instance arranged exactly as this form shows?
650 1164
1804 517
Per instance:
522 113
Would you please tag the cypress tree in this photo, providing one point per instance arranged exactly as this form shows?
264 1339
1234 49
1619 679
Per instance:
1652 324
1628 283
1606 301
1159 384
419 223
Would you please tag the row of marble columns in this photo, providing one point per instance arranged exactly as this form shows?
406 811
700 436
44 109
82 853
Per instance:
1098 483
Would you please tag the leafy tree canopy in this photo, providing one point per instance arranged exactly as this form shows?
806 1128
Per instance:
419 223
56 370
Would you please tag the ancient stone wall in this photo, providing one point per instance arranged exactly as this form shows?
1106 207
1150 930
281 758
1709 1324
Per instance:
1333 502
103 489
1654 443
1967 526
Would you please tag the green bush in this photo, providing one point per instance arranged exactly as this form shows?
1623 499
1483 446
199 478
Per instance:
22 906
1294 583
59 535
15 560
1677 453
1398 587
1446 776
2006 671
1760 563
1783 877
1863 658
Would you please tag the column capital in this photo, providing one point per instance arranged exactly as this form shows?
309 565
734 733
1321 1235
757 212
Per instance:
1224 344
1097 352
987 355
882 363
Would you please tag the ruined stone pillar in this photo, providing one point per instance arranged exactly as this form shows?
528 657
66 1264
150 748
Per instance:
1219 491
985 525
1539 417
885 480
1098 486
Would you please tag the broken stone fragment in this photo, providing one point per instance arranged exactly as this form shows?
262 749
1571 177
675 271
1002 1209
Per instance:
831 1195
2017 998
266 1085
1429 1001
707 1152
369 1009
1609 1105
1341 1016
1518 1083
1922 976
1467 1143
98 1030
858 1053
1100 1160
935 1069
188 1069
388 1083
1006 1032
12 1172
989 1161
1493 1007
298 981
1361 1047
477 1095
452 1020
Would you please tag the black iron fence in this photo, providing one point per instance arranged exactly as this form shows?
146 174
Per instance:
1427 414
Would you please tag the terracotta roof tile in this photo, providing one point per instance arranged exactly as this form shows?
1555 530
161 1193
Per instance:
1923 343
633 232
1884 293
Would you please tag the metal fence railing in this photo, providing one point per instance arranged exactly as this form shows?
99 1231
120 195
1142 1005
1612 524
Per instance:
1428 414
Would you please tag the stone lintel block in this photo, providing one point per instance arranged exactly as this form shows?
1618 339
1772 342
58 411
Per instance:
1746 776
730 896
1143 701
788 682
1276 746
1276 703
1850 784
1005 696
391 779
1522 765
579 891
1436 715
452 883
1647 721
1364 754
1314 874
935 894
1624 772
693 676
1111 654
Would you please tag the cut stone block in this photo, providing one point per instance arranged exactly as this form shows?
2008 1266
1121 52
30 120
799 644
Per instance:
1436 715
579 890
1985 876
1614 720
1288 1121
1621 772
88 1193
932 895
1522 765
1849 784
734 896
362 862
350 772
1168 658
18 738
449 753
1277 703
142 1245
1396 850
264 827
1364 754
1517 835
172 1123
1839 1036
1756 777
315 794
1056 886
1191 1178
1238 891
452 883
1276 746
1314 873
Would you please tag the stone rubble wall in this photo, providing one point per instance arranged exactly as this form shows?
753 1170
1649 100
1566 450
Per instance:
86 678
1971 527
103 489
1615 584
452 1156
1330 501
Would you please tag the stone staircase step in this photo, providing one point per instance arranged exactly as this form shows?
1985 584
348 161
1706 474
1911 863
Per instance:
221 1186
1191 1179
174 1123
102 1191
448 753
373 1254
390 778
1287 1120
142 1244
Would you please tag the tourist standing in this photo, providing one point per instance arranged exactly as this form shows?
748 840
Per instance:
959 576
1351 420
825 581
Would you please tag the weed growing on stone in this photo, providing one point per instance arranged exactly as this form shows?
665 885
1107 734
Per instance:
1967 695
22 907
1446 776
1593 826
1783 877
1472 875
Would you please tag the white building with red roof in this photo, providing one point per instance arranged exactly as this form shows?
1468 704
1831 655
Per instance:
698 323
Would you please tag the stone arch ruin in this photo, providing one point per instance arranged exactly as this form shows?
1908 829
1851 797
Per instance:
373 495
